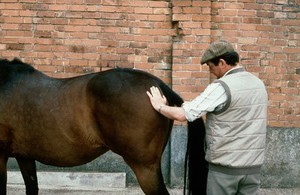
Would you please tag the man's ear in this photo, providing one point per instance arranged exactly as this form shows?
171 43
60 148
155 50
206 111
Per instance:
222 63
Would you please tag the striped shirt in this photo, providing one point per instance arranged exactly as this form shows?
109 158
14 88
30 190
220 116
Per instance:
212 99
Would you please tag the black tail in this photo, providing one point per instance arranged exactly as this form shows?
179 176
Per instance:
172 97
196 167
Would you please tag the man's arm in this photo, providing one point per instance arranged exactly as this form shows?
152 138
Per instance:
213 98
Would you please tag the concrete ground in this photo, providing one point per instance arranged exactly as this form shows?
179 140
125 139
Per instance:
84 183
132 190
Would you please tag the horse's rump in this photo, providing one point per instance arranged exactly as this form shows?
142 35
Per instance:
121 101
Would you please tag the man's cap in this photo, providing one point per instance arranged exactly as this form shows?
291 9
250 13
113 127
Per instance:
216 49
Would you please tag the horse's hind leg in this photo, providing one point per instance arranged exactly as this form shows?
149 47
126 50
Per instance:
28 170
150 178
3 174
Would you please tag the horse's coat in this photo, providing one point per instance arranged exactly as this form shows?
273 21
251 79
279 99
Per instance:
69 122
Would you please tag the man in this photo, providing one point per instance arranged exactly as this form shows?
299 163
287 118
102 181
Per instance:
235 106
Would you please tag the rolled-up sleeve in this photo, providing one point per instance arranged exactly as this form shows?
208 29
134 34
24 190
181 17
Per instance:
213 98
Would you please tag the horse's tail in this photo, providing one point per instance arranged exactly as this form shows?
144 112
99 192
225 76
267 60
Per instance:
172 97
196 167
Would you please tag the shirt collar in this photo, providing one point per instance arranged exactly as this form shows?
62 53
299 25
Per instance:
233 70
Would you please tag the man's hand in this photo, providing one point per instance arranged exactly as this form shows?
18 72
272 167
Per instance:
157 100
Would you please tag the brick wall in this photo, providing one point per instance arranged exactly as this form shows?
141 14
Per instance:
194 23
65 38
265 33
69 37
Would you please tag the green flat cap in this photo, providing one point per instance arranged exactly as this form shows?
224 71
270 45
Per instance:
216 49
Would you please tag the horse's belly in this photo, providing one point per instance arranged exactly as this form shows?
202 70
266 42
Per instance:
71 156
59 152
60 145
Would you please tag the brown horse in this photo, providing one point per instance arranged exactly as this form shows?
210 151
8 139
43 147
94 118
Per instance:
69 122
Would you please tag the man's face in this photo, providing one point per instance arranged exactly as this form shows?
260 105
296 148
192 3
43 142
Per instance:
216 70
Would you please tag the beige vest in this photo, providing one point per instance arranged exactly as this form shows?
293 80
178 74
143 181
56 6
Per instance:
236 135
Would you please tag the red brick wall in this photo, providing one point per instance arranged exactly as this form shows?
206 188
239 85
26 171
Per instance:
68 37
65 38
267 35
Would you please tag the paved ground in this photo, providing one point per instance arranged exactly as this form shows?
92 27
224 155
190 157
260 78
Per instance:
45 190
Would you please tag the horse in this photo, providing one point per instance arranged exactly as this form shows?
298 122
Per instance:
68 122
